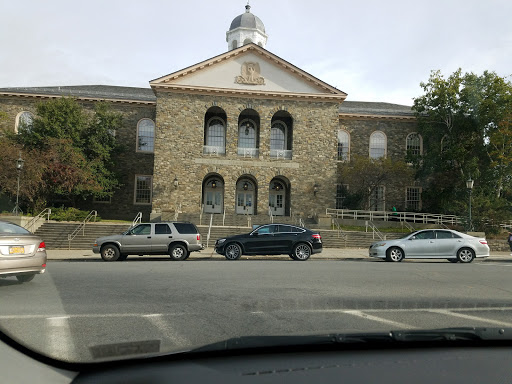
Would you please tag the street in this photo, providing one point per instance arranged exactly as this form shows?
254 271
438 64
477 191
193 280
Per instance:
78 304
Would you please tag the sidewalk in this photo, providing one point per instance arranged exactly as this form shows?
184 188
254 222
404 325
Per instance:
209 253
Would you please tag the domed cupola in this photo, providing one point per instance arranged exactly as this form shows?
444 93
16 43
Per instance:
246 28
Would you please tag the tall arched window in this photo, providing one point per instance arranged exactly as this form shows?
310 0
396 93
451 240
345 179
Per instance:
247 138
146 135
278 140
24 119
378 145
414 144
215 141
343 145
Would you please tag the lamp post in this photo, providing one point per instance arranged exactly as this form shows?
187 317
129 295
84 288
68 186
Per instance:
469 186
19 167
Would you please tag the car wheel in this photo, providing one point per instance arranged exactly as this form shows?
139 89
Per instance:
178 252
465 255
233 251
25 278
394 254
292 256
110 253
122 257
188 255
301 252
453 260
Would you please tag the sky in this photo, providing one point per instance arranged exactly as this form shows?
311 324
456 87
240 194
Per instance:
373 50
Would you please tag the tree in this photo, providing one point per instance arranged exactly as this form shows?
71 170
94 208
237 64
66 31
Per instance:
464 120
75 151
365 175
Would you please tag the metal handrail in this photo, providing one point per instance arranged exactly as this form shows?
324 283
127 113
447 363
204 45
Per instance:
224 216
410 227
35 219
177 212
81 227
138 219
209 230
271 215
375 230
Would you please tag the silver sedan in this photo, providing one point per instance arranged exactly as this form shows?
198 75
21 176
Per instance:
22 254
432 244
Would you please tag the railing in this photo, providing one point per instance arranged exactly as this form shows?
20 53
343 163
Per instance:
301 222
138 219
35 219
409 226
81 227
177 211
375 230
209 230
248 152
224 216
270 215
213 150
281 154
424 218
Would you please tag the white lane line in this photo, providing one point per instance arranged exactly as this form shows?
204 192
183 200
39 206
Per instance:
59 341
170 333
469 317
93 315
379 319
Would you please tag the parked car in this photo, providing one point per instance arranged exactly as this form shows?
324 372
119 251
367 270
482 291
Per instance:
177 239
22 254
272 239
432 244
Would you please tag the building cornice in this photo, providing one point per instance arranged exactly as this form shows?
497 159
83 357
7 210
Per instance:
80 98
361 116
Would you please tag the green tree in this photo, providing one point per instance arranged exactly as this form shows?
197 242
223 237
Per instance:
75 150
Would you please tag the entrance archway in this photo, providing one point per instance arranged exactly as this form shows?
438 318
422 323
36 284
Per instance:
213 194
246 196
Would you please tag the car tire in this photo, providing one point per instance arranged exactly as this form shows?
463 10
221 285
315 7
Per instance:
188 255
110 253
394 254
453 260
26 278
233 251
178 252
292 256
465 255
301 252
122 257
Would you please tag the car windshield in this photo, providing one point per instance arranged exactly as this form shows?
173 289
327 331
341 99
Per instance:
175 174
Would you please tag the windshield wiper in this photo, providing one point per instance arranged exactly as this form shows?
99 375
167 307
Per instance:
398 337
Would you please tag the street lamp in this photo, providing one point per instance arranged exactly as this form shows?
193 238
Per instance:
469 186
19 167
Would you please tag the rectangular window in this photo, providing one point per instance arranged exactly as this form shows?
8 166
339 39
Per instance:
143 189
341 194
412 202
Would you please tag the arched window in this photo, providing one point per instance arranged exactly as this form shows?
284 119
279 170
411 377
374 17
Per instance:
247 140
278 136
343 145
247 41
215 141
24 119
413 144
378 145
146 135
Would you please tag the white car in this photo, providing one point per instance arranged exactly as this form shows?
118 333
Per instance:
432 244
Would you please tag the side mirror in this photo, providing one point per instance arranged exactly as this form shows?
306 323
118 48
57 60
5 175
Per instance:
412 238
255 233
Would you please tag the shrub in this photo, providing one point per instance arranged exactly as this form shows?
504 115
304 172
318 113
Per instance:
69 214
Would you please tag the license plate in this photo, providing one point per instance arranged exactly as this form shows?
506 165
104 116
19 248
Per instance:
16 250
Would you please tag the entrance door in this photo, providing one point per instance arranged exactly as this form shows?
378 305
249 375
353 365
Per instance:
276 203
244 203
213 201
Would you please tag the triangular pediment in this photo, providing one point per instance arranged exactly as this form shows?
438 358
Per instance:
250 71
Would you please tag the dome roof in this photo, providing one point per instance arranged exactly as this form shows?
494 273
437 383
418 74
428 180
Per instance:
247 20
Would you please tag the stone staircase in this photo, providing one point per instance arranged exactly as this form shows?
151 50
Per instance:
55 234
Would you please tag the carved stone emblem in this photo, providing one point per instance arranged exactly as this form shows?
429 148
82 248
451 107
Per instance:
250 74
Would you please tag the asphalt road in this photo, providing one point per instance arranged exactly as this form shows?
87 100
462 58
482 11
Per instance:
80 304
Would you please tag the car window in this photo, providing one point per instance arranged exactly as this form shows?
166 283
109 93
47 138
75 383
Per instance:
162 229
425 235
141 229
285 229
267 229
445 235
186 228
9 228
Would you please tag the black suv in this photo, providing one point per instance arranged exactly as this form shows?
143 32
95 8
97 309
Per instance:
272 239
177 239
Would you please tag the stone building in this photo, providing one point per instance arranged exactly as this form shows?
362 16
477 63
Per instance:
242 133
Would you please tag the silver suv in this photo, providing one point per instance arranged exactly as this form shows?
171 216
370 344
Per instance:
177 239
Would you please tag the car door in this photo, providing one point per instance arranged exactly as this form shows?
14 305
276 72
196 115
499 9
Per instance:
161 239
261 241
421 244
284 238
447 243
137 240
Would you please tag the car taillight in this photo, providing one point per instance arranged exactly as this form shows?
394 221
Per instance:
483 242
42 247
316 236
198 237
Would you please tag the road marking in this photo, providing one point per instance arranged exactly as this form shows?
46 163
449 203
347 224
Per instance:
379 319
59 340
469 317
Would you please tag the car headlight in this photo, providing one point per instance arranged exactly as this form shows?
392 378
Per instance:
381 244
220 241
